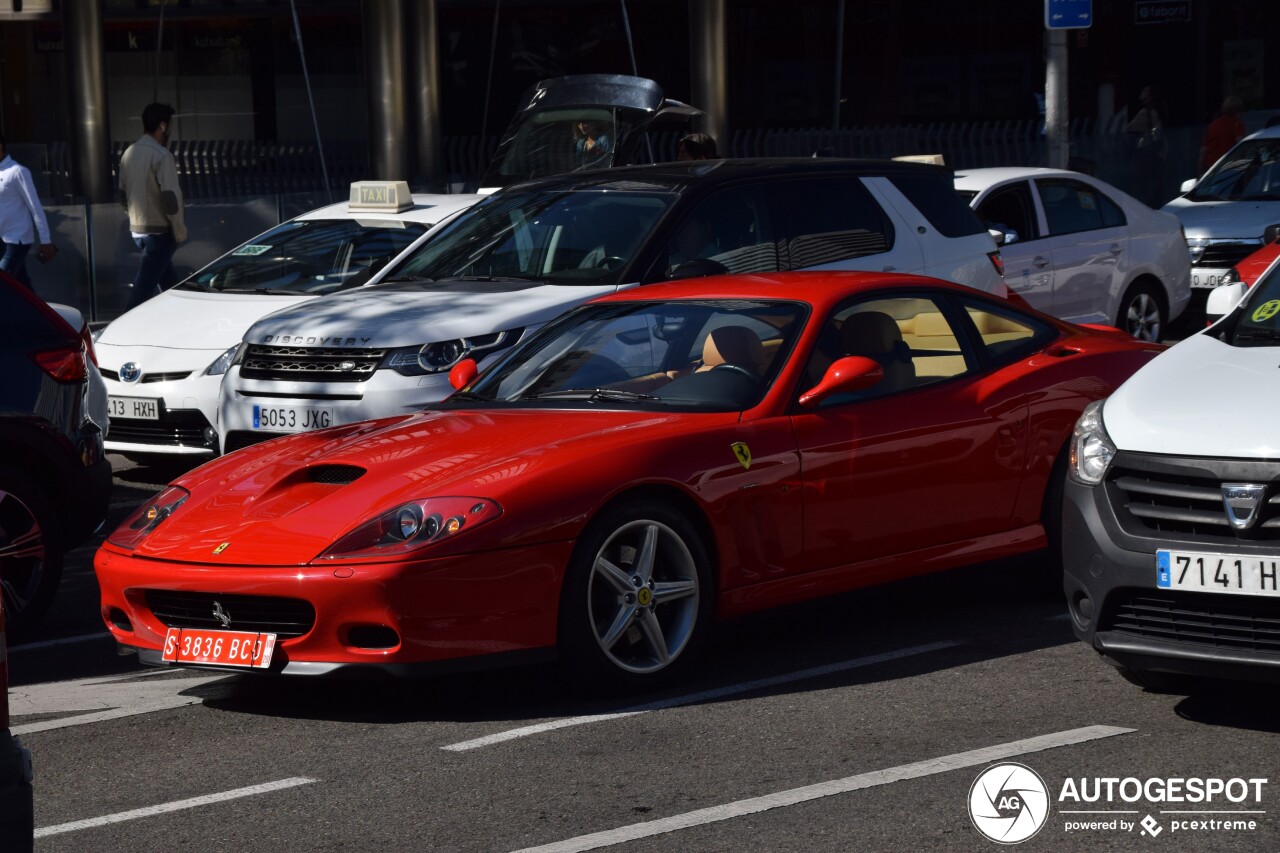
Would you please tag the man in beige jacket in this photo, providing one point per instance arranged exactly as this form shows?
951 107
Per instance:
149 191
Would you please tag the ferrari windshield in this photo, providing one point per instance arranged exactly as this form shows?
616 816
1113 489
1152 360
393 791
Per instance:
705 355
308 256
586 236
1249 172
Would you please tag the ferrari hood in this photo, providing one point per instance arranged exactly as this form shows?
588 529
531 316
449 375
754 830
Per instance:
412 313
1200 398
287 501
188 319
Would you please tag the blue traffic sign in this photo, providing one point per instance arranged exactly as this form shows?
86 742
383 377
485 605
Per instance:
1068 14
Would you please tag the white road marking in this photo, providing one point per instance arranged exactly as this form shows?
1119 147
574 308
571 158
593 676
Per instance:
61 641
919 769
178 805
692 698
102 698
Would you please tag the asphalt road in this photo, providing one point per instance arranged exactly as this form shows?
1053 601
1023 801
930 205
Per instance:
858 723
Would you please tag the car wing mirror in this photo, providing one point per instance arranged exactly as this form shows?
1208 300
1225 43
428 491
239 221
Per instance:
1188 185
1003 236
844 376
462 373
1221 300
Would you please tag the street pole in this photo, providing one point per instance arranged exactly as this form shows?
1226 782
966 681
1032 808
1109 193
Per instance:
1055 99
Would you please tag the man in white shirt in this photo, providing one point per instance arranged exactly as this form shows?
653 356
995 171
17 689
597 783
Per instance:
149 191
21 219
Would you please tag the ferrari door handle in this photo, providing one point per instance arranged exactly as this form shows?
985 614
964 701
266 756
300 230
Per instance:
1040 261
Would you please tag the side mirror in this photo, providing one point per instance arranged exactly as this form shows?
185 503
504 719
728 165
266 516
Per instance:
1188 185
999 236
1222 299
462 373
844 376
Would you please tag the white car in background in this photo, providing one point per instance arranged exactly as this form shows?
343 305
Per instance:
1082 250
163 361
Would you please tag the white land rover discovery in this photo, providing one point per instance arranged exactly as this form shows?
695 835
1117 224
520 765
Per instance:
1171 523
524 255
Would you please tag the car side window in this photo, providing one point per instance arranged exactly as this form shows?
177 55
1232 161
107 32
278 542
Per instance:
1010 209
830 219
1071 206
728 232
910 337
934 195
1005 337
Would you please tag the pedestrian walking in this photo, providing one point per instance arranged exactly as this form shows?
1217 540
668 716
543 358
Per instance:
149 191
1223 133
22 219
696 146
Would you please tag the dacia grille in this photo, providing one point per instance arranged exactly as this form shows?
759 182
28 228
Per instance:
1218 255
310 364
284 617
1223 622
1180 499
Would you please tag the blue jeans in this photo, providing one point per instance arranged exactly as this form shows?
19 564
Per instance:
155 271
14 262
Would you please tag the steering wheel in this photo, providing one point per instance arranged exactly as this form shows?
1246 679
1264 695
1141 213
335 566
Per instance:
610 262
739 369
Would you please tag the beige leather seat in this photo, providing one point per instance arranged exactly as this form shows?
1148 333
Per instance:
736 345
876 335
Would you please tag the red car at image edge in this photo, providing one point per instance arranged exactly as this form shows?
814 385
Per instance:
640 467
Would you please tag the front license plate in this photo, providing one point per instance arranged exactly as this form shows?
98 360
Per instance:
138 408
291 418
1224 573
1207 278
222 648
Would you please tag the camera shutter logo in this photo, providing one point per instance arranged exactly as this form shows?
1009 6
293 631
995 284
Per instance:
1009 803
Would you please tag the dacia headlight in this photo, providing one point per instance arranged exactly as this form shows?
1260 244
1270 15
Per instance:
1091 447
440 356
222 363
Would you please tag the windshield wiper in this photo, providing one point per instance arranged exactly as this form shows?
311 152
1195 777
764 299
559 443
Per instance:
470 397
405 278
1258 335
486 278
594 394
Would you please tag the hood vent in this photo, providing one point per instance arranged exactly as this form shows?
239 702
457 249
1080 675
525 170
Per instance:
335 475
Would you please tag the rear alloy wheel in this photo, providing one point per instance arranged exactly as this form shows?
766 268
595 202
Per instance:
637 595
1142 313
30 556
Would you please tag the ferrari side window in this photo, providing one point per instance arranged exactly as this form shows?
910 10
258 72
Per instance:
909 337
1004 338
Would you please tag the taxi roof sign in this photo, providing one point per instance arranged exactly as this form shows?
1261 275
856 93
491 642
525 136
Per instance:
383 196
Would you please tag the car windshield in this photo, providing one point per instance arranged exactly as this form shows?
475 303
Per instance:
314 256
1250 172
698 355
569 237
1257 323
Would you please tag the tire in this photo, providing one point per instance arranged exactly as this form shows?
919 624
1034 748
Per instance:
1142 313
30 551
630 621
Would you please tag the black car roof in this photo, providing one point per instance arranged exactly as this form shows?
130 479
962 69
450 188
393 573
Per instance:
676 176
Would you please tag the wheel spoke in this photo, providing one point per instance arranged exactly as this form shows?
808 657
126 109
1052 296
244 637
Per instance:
621 621
617 578
13 602
648 552
672 590
25 545
652 630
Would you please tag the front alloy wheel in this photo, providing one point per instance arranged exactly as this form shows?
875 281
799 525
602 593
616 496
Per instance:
637 596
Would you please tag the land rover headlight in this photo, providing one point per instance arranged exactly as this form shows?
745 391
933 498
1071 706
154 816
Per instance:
1091 447
440 356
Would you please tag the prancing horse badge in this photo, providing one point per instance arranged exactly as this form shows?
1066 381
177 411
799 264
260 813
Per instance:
221 548
743 453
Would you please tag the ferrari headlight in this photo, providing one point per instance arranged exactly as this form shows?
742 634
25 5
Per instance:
412 526
222 362
148 517
440 356
1091 448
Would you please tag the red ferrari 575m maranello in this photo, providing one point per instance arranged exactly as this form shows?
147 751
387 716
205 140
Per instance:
639 467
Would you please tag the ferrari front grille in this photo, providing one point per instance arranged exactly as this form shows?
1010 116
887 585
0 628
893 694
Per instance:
284 617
